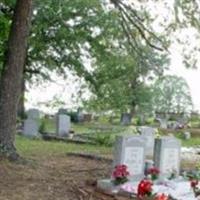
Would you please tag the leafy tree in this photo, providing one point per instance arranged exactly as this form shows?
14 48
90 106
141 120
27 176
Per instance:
122 84
63 33
172 95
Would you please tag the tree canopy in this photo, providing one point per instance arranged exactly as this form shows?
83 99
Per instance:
172 95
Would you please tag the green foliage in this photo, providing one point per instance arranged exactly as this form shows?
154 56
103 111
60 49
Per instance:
104 140
42 127
121 85
172 95
73 116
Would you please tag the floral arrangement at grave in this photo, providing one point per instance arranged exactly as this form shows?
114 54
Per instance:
145 192
144 189
120 174
194 183
153 172
161 197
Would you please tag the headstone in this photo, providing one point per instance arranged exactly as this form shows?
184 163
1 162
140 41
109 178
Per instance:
62 111
148 165
148 134
130 150
63 125
31 128
33 114
186 135
163 123
80 115
167 156
126 119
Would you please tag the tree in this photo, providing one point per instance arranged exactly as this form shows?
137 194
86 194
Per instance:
122 84
63 32
11 76
172 95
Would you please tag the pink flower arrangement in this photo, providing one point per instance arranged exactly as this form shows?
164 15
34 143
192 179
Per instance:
120 174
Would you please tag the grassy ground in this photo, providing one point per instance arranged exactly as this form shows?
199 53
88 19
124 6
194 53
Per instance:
38 147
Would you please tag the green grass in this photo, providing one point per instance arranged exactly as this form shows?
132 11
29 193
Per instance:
191 142
50 125
103 134
34 147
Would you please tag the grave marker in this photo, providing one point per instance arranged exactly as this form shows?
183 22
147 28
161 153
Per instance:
63 125
30 128
33 114
167 155
148 133
130 150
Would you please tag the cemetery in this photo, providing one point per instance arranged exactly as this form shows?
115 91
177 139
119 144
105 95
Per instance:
87 169
99 100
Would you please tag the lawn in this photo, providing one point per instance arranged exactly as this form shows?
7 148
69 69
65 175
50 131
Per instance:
38 147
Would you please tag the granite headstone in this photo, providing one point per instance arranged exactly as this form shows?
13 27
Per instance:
63 125
148 134
31 128
33 114
167 156
130 150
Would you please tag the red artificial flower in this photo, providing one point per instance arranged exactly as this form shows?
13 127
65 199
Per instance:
144 188
120 171
161 197
194 183
153 171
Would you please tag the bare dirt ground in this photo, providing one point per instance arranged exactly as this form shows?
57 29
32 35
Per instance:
53 178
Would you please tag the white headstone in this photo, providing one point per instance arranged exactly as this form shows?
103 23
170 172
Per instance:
130 150
167 156
63 125
31 128
163 123
33 114
187 135
148 133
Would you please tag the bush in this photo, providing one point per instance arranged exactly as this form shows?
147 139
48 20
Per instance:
104 140
42 127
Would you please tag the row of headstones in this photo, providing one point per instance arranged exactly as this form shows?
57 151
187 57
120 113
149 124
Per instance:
131 151
31 124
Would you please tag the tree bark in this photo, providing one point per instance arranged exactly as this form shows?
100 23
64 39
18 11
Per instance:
11 76
21 106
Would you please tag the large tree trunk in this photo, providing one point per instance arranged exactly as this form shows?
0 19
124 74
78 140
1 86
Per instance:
11 76
21 106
